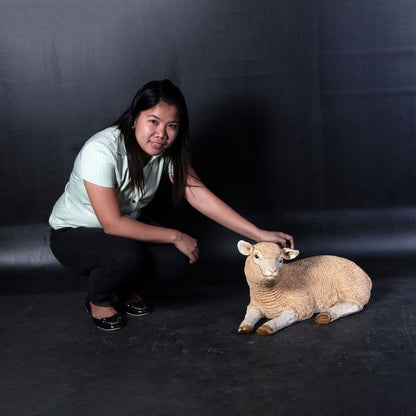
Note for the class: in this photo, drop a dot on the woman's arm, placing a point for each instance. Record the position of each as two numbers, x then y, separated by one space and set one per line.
107 209
203 200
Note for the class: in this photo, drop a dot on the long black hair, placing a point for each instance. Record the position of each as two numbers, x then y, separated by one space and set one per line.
147 97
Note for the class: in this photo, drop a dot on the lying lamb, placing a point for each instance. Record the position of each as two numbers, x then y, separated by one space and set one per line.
287 293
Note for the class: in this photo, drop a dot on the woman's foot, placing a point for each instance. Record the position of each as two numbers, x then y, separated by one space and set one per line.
105 318
100 312
136 306
132 298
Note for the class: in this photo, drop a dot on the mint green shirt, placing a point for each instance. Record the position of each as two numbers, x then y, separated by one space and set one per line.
103 161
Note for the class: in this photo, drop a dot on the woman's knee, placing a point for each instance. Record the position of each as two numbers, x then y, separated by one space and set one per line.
84 249
123 255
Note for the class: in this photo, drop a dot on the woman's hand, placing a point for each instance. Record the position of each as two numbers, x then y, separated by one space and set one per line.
285 240
187 245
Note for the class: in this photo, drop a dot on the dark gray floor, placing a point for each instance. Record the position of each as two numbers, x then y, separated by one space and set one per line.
187 358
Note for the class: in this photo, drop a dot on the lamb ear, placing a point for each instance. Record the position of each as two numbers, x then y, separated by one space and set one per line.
244 248
289 254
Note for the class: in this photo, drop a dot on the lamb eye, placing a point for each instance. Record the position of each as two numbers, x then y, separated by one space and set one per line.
256 256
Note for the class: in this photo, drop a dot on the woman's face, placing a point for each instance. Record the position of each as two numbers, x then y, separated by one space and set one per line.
156 129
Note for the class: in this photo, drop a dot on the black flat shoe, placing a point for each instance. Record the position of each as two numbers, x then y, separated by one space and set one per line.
137 308
112 323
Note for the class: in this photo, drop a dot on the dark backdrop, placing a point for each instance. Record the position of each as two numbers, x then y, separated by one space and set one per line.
295 105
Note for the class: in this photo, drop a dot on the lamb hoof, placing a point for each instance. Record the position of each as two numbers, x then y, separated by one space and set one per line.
264 330
245 329
323 318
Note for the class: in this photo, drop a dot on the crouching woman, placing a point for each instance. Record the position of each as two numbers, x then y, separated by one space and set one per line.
97 228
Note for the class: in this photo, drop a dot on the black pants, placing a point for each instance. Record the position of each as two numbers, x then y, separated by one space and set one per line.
114 265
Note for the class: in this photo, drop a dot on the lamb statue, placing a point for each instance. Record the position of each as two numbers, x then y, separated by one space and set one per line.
286 293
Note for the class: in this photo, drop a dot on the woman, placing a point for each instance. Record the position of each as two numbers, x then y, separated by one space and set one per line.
97 226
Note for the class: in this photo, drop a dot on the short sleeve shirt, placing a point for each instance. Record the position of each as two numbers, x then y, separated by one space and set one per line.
103 161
